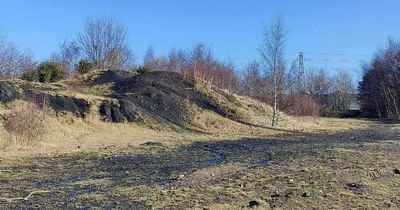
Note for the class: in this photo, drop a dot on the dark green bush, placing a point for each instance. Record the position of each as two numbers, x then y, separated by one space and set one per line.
46 72
50 72
84 67
142 70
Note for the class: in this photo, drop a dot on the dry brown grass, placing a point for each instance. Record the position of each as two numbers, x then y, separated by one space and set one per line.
244 109
25 125
68 134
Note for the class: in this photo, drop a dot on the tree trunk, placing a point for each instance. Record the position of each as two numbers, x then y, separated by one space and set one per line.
275 100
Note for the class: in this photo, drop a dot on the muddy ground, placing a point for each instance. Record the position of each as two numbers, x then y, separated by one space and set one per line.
351 169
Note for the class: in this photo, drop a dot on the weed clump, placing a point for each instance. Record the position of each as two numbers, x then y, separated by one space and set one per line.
25 124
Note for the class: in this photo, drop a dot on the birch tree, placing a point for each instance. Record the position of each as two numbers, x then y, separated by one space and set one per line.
272 55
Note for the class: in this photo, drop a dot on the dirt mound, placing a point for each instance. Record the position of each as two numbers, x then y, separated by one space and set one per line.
170 98
109 76
161 95
155 97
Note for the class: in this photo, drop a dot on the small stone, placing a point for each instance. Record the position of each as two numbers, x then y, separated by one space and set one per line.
253 204
354 185
181 176
306 194
396 171
291 180
275 195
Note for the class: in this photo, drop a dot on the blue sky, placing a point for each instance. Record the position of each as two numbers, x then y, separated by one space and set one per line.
334 34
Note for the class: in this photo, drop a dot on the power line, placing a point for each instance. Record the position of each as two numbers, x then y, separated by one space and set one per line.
331 61
339 54
312 55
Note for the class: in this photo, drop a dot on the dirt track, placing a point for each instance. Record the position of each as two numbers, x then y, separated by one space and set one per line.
357 168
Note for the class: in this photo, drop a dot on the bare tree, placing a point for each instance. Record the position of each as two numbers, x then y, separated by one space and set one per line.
158 63
203 66
201 60
104 42
178 61
272 55
252 80
69 55
318 83
149 55
295 81
343 90
12 62
155 63
27 64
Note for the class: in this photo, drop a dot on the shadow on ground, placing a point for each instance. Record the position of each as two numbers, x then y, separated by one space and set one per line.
386 121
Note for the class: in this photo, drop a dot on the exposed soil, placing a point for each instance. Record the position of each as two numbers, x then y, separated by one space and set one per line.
59 103
353 169
7 92
110 76
158 95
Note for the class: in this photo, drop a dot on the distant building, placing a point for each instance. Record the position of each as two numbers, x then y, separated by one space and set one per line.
355 105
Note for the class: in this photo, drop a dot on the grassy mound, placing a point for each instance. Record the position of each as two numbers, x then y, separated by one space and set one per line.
156 99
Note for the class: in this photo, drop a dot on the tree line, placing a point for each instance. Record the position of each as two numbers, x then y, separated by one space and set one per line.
104 45
379 89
